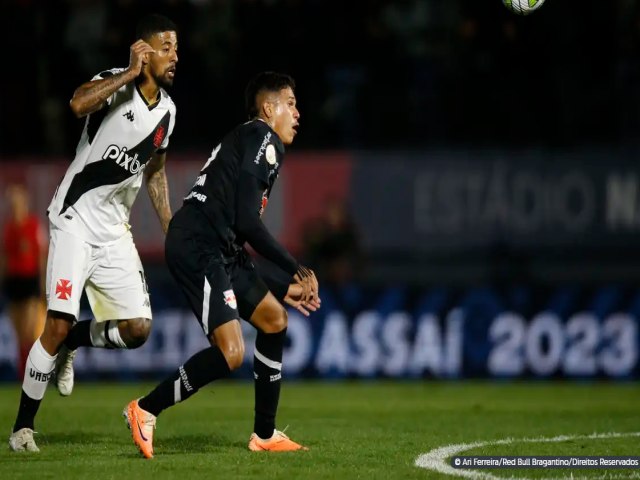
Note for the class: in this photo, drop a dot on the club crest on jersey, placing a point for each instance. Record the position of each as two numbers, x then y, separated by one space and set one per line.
263 146
265 201
159 136
125 161
230 299
63 289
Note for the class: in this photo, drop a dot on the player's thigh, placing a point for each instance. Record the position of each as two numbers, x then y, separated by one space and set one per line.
68 264
218 304
248 286
256 303
203 279
117 287
269 316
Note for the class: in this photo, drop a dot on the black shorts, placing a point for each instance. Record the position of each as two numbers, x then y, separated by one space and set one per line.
20 288
218 289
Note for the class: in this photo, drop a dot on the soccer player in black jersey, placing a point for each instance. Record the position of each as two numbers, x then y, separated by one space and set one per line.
206 255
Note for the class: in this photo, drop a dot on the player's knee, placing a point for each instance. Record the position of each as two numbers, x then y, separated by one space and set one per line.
233 354
282 320
137 331
277 321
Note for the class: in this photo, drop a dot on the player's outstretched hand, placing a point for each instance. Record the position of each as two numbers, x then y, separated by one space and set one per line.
294 299
139 55
306 278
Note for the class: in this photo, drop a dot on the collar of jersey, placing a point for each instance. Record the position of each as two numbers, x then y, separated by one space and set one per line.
277 141
153 105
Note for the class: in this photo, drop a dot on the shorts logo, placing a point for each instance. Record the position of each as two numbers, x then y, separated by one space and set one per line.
63 289
230 299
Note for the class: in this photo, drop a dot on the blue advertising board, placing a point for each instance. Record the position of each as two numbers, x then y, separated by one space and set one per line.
517 332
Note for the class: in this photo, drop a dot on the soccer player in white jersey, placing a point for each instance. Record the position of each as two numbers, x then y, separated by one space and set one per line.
129 118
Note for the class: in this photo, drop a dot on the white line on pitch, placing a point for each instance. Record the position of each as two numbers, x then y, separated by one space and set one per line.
436 459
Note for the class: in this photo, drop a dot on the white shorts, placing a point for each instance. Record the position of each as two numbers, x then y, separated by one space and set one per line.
112 276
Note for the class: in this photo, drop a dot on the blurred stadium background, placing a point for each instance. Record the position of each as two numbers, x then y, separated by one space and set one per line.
465 181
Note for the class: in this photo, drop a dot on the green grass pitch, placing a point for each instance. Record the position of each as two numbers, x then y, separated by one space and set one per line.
367 430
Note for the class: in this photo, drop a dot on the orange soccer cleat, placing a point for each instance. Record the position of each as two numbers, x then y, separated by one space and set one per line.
278 442
141 423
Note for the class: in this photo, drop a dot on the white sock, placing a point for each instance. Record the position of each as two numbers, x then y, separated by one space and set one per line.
106 334
38 371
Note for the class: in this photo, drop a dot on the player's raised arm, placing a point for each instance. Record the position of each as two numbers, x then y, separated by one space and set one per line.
158 188
92 96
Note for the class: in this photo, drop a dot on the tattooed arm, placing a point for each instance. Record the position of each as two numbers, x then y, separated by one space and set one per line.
158 188
92 96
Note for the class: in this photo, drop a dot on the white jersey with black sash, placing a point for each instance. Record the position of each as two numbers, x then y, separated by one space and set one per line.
94 199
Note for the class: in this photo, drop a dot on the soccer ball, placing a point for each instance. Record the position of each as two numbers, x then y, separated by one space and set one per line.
523 7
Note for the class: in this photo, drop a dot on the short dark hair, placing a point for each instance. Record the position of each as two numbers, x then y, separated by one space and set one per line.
154 23
269 81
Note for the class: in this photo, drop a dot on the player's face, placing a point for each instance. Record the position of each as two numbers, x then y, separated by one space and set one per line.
162 65
286 115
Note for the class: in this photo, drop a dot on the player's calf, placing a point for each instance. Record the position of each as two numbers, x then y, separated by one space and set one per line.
134 332
128 334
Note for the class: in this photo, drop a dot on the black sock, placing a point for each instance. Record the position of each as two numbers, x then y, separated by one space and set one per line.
26 412
202 368
267 371
79 335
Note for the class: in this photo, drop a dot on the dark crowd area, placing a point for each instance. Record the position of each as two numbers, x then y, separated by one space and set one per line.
374 74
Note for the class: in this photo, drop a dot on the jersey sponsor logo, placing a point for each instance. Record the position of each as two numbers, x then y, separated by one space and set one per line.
128 115
263 146
265 201
121 157
200 180
230 299
159 136
270 154
198 196
105 172
63 289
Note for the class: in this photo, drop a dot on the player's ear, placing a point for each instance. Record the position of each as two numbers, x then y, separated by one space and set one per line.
267 109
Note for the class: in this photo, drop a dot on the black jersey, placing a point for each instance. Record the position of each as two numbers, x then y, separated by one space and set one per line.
233 188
